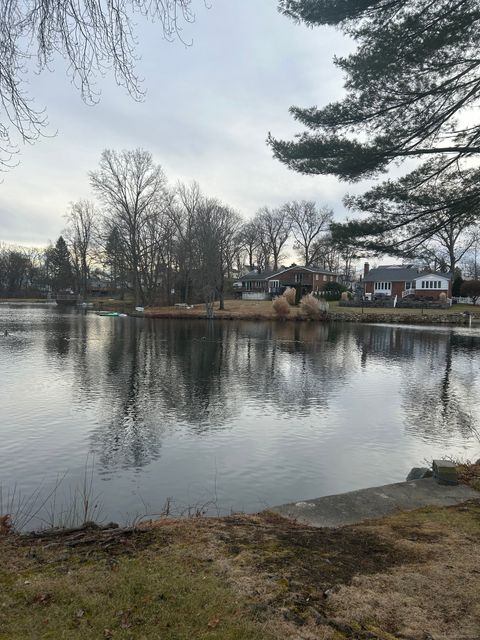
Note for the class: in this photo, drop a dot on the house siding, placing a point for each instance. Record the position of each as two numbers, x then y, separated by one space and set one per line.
316 281
399 287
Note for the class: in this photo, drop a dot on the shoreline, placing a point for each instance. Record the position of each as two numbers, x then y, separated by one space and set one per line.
366 318
250 576
260 312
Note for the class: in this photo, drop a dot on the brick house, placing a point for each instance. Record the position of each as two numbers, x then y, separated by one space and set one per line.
406 280
264 285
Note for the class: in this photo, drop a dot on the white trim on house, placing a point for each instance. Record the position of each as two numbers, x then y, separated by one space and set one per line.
431 282
382 287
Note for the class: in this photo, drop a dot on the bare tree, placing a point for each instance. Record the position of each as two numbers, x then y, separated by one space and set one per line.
217 230
93 36
452 242
183 212
327 253
470 260
275 226
307 223
132 188
156 254
250 240
80 232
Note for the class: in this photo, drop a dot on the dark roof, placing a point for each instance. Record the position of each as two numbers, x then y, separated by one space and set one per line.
299 266
395 273
400 273
255 275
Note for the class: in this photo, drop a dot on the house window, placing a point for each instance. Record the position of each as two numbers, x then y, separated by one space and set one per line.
408 285
316 276
274 284
383 286
298 277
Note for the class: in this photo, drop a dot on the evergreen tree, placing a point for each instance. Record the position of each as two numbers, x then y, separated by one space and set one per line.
60 266
414 75
412 214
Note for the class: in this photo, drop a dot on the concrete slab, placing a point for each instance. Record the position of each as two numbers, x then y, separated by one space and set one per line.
375 502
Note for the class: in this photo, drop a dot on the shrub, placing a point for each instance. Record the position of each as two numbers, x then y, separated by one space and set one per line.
471 289
281 306
289 295
333 290
313 307
443 297
457 286
344 295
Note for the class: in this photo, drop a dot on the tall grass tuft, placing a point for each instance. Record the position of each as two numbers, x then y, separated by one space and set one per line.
281 306
51 508
289 295
312 307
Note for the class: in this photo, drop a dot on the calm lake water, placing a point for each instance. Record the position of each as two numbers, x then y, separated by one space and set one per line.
245 414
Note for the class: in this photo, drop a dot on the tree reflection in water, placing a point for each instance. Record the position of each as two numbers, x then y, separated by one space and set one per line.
440 389
148 379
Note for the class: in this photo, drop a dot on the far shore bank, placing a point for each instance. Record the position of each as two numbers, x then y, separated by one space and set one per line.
262 310
457 315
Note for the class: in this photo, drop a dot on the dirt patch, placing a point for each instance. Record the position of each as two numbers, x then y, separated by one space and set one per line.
319 558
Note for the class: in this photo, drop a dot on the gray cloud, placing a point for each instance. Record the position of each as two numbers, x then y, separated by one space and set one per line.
206 115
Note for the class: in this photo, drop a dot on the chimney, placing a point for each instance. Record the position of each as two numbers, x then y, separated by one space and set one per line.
366 269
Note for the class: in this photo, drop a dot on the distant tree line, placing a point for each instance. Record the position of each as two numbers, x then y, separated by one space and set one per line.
162 244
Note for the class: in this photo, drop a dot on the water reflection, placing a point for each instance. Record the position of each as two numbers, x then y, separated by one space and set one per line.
270 403
153 376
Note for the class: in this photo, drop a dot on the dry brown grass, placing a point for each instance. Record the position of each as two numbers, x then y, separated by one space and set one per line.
412 576
281 307
290 296
263 310
310 306
469 473
433 596
234 309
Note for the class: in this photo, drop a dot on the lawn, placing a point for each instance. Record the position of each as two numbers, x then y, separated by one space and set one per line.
454 309
412 576
248 309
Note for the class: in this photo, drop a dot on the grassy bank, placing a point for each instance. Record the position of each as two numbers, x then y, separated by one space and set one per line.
25 300
412 576
262 310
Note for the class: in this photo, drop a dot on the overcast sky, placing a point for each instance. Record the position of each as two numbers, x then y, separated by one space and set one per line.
208 110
